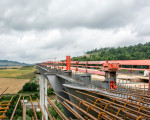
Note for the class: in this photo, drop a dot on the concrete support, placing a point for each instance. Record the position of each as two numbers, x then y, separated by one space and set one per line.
43 92
109 76
84 77
45 99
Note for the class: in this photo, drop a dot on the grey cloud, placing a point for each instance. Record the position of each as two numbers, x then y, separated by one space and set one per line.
142 23
65 40
59 44
35 31
33 47
43 15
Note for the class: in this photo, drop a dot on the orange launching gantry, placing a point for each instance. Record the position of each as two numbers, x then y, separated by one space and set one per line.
110 75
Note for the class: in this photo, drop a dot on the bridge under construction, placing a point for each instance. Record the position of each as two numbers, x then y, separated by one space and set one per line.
84 96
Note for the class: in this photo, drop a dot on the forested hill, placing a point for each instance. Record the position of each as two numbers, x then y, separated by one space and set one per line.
135 52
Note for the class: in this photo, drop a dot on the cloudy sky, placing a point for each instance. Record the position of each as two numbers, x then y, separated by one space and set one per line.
39 30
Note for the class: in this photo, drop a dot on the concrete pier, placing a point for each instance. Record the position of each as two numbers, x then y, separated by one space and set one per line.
43 94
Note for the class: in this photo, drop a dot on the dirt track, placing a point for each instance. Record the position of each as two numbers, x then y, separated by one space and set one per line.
14 85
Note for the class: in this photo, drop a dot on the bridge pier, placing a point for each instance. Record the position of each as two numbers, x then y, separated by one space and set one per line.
43 92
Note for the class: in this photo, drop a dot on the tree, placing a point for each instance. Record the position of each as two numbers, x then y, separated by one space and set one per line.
133 52
50 91
30 87
54 113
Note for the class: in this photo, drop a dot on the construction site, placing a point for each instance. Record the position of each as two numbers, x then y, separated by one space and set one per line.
91 90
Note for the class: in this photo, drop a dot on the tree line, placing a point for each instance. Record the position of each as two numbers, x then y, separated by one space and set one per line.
132 52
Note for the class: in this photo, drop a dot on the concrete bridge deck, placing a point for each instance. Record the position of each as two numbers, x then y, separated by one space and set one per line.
79 92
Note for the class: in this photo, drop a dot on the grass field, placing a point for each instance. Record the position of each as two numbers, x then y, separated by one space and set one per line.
15 78
17 73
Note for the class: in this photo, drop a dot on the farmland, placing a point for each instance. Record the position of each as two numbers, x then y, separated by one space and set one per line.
14 85
16 73
15 78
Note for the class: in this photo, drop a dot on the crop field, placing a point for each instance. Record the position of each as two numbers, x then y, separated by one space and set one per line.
15 78
15 73
14 85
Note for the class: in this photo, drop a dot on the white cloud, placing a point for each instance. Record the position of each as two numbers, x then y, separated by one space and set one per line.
35 31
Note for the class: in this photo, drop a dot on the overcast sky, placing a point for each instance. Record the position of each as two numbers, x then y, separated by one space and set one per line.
37 30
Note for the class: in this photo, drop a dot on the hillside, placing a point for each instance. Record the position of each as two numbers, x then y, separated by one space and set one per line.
133 52
4 63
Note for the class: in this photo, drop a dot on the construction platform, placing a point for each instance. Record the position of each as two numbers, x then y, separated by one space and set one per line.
92 90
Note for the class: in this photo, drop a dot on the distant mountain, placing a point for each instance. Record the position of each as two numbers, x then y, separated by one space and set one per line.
4 63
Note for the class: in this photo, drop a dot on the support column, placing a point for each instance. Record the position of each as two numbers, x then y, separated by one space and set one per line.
40 88
43 92
45 99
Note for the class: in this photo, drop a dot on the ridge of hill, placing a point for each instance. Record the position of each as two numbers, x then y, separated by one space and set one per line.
132 52
4 63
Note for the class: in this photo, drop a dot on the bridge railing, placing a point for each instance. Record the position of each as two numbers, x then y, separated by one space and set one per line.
95 67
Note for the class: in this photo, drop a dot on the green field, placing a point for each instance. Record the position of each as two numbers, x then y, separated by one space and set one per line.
26 72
